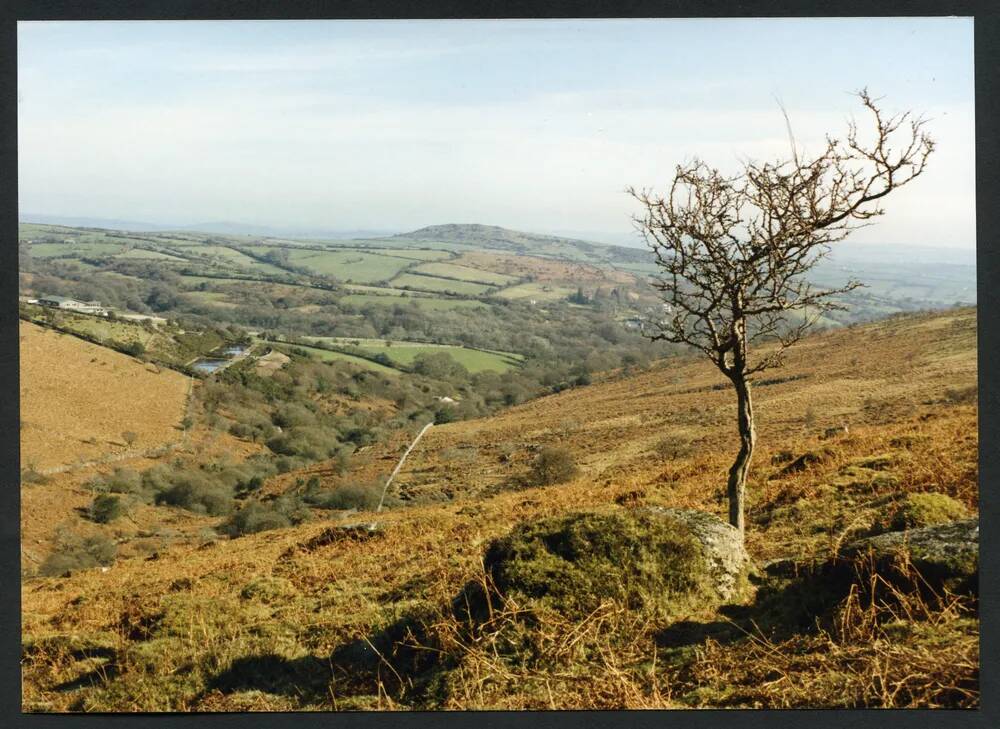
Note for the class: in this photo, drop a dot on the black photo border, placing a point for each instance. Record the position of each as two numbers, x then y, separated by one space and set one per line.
986 16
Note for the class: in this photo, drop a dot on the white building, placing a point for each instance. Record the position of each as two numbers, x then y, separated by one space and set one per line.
83 307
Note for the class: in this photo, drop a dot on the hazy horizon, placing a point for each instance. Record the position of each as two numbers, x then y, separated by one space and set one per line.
530 125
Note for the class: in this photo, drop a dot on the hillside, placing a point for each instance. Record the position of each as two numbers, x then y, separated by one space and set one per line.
309 618
78 398
492 237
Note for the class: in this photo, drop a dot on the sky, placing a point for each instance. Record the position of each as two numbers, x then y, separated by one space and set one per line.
533 125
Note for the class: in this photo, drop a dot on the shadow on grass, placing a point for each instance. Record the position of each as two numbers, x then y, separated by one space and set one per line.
102 674
306 678
783 606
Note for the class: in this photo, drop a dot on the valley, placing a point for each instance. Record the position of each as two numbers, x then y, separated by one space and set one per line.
252 622
197 538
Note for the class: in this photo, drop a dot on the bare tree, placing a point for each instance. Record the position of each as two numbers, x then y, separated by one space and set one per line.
733 251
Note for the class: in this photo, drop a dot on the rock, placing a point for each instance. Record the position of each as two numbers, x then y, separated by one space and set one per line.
728 561
945 555
659 561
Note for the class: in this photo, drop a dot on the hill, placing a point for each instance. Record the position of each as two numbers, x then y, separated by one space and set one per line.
493 237
309 617
78 398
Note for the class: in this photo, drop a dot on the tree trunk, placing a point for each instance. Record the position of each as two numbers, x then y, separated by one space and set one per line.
740 468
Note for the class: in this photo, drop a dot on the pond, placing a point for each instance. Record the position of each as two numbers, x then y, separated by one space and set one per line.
236 350
208 365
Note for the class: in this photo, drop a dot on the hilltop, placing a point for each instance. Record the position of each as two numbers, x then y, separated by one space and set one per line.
280 620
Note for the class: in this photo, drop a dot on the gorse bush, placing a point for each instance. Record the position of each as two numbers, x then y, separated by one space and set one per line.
199 494
364 497
259 517
74 551
254 518
106 508
122 481
553 465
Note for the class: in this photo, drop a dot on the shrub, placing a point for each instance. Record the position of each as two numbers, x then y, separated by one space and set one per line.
257 517
196 493
241 430
254 518
122 481
293 414
77 552
364 497
106 508
553 465
133 348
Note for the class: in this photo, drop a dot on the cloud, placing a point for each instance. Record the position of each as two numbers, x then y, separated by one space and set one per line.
273 149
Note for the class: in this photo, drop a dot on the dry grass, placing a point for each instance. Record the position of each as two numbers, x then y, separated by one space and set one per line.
197 629
884 645
77 398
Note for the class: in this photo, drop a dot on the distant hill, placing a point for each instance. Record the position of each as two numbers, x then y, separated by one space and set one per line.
497 238
219 227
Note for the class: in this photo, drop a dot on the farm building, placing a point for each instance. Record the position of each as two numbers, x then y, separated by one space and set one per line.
84 307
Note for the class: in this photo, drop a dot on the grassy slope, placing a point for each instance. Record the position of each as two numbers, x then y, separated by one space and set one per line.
92 394
250 624
445 285
404 353
350 265
328 355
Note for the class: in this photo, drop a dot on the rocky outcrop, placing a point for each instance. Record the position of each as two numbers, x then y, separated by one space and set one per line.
945 555
727 559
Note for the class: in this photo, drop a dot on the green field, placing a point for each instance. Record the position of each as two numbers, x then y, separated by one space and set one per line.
349 265
267 268
76 262
378 290
403 353
57 250
451 270
215 298
106 330
418 254
228 254
537 291
424 302
327 356
148 254
441 285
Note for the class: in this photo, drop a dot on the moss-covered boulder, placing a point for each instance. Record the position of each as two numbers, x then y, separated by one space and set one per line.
915 511
664 562
945 556
721 544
